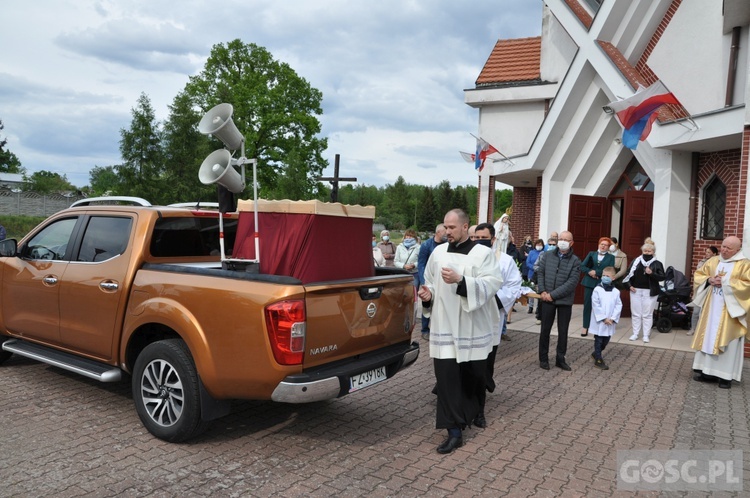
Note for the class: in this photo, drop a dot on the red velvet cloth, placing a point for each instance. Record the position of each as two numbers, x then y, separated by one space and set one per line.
310 247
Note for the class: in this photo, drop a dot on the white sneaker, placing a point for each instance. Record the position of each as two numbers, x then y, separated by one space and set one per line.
633 337
645 339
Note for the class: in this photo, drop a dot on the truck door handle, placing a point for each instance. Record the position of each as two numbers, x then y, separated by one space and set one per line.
109 286
50 280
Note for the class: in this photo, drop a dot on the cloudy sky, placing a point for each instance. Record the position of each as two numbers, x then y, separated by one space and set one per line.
392 73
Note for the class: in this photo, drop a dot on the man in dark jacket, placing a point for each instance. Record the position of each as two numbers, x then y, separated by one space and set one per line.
557 278
425 250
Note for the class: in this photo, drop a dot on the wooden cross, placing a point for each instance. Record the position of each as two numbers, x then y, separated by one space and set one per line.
335 179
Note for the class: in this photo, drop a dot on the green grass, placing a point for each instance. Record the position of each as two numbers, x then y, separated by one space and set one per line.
18 226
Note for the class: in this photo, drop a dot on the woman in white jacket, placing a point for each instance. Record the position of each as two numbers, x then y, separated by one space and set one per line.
407 254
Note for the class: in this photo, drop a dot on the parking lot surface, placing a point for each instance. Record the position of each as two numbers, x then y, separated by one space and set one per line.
550 433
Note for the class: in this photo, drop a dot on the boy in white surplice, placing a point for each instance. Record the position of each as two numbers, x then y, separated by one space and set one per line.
606 306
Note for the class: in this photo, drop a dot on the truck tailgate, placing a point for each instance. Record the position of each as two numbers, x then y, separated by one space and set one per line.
348 318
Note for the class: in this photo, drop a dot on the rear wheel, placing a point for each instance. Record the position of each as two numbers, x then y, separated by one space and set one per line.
664 325
166 391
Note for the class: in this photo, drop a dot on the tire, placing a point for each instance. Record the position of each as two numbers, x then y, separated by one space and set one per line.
166 391
664 325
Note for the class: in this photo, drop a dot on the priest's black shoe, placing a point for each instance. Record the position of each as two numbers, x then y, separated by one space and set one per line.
563 365
450 444
544 365
724 384
480 421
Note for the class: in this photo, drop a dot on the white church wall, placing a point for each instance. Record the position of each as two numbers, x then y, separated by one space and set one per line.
691 57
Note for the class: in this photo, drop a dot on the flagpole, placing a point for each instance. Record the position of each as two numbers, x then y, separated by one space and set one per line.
498 151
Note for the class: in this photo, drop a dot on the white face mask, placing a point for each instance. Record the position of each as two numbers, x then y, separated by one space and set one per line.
386 238
539 248
612 248
563 245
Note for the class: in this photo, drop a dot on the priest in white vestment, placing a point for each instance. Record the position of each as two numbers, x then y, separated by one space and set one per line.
461 280
722 290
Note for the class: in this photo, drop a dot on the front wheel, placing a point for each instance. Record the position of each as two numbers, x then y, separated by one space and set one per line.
166 391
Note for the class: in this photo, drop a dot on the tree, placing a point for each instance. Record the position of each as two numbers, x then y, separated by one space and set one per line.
47 182
443 198
104 180
9 163
140 147
427 216
397 205
503 201
274 108
184 148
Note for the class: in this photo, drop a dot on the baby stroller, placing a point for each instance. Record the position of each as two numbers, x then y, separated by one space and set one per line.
672 309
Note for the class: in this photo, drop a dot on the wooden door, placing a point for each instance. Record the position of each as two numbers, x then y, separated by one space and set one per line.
589 220
638 212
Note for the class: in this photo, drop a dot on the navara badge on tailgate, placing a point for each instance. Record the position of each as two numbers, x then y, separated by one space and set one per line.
371 310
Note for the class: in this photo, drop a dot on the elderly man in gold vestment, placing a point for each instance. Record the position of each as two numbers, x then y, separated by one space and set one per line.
722 289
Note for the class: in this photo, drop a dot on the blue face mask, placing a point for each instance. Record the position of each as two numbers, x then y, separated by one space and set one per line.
409 243
606 280
374 243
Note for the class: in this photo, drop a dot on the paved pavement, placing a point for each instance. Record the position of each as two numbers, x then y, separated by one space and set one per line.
550 433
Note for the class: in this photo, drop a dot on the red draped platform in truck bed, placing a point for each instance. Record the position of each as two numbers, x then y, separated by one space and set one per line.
309 240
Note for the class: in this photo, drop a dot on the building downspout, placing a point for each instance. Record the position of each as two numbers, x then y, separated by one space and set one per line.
734 53
695 162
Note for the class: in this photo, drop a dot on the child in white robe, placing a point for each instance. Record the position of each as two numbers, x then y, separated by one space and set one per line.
606 307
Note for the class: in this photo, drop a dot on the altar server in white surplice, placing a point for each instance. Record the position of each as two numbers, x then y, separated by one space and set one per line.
506 297
461 280
606 307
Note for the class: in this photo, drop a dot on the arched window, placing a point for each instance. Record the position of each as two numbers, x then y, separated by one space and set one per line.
714 205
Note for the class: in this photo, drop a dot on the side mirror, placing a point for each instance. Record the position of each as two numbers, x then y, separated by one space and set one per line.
8 248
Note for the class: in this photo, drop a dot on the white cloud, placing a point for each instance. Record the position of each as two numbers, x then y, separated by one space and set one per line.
392 74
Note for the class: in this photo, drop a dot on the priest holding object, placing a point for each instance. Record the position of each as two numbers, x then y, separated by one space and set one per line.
722 289
460 282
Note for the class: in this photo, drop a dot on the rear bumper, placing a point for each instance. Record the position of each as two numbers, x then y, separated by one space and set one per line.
332 381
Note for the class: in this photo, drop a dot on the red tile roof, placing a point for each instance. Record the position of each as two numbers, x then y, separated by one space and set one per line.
512 61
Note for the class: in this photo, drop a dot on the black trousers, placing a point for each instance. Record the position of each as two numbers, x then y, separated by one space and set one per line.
460 392
547 314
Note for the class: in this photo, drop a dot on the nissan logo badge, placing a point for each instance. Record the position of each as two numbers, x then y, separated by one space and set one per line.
371 309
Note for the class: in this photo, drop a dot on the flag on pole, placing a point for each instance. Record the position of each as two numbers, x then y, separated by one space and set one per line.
484 149
637 114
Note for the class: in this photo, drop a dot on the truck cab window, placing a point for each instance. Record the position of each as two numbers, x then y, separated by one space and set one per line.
51 242
105 238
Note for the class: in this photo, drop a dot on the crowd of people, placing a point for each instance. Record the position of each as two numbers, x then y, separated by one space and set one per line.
468 279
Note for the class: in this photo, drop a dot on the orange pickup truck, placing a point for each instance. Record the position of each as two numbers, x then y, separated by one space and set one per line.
103 291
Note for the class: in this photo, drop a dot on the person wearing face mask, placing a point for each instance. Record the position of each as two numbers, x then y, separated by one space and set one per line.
557 279
377 254
387 247
407 255
425 250
461 281
531 260
606 307
505 298
643 282
621 263
592 267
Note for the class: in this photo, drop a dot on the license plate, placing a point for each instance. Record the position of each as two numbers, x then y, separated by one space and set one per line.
357 382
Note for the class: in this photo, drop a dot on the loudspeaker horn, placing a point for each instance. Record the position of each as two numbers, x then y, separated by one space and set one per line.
218 122
217 168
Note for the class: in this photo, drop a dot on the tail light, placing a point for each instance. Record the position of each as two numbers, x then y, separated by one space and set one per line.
285 323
